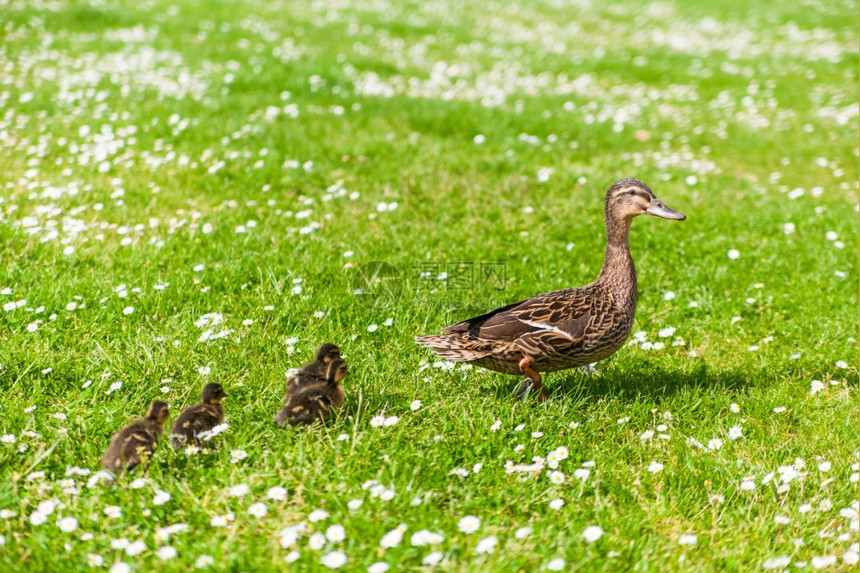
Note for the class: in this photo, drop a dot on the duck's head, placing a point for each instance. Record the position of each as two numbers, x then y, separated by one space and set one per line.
327 352
630 198
337 371
213 393
158 411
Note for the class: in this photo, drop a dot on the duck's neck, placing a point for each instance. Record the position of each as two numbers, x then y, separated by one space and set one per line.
618 269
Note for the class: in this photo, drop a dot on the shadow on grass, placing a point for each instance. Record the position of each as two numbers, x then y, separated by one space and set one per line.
629 384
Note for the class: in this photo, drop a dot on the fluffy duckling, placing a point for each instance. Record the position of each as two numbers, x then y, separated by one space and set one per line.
136 440
199 418
315 400
314 371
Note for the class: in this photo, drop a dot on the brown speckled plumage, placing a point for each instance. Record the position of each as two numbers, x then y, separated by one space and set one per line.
199 418
137 440
565 328
314 371
315 400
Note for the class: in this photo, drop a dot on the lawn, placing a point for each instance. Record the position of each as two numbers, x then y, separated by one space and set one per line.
197 192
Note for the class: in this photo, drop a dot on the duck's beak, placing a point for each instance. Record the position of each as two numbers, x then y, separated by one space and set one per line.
658 209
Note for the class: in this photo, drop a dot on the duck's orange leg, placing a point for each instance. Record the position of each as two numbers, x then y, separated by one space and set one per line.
533 380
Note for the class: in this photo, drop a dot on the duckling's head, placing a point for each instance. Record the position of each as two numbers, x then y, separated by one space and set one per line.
327 352
158 411
630 198
337 371
213 393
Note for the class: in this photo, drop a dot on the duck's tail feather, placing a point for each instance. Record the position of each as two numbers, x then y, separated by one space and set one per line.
456 346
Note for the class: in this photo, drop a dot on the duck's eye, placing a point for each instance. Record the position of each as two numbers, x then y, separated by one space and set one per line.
632 192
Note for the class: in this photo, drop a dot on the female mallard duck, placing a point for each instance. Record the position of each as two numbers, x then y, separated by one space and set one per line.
315 400
195 420
564 328
136 440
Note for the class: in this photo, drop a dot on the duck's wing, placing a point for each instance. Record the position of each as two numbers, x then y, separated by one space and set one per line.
307 374
562 314
198 418
190 422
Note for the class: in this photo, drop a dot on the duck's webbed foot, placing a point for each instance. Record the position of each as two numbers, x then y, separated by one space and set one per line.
533 380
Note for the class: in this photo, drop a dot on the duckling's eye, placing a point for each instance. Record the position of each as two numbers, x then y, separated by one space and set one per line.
632 192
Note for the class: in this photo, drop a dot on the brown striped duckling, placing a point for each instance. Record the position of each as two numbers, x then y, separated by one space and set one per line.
317 370
136 442
315 400
311 373
196 421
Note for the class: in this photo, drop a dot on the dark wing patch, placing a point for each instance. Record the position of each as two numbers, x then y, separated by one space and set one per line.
557 311
472 323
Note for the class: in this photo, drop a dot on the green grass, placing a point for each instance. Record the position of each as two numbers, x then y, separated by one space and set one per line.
724 109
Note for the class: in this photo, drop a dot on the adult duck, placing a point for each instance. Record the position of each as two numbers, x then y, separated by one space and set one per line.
565 328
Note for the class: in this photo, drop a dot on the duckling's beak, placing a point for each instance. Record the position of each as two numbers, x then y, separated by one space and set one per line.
658 209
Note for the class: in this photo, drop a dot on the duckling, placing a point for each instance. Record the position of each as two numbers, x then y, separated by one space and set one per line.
316 370
200 418
137 440
311 373
564 328
315 401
